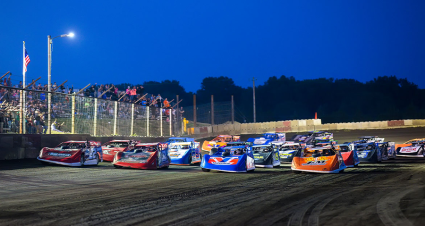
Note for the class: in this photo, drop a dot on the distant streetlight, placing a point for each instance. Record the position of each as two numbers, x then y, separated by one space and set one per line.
49 71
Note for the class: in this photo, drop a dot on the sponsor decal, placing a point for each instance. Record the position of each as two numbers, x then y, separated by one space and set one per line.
258 157
409 149
174 154
223 161
362 154
276 156
106 152
59 154
316 161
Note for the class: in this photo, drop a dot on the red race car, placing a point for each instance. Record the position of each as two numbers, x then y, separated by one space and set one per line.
72 153
144 156
112 147
349 155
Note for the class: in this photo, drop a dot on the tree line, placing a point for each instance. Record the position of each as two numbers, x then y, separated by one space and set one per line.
285 98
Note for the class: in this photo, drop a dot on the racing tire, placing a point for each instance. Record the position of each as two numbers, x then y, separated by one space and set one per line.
165 167
44 163
190 160
250 171
341 171
82 160
205 170
357 165
296 171
118 167
97 159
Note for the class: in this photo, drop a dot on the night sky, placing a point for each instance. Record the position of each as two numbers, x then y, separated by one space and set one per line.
137 41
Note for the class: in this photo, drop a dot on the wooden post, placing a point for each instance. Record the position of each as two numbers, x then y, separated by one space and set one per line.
115 117
160 120
73 115
171 123
132 119
147 121
95 117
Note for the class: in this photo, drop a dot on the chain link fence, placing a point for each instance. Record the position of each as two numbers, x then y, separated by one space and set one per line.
80 114
222 113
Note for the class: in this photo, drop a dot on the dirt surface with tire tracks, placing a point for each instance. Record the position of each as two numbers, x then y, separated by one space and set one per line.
389 193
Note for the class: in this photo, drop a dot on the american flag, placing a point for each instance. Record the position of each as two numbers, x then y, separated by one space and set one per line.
27 60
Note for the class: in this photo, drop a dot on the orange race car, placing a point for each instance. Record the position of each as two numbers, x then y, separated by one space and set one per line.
318 160
219 141
407 143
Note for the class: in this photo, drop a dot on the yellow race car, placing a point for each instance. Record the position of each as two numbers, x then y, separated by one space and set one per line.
219 141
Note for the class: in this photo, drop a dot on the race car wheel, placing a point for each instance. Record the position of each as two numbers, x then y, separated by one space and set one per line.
44 163
205 170
190 160
341 171
357 165
82 160
118 167
296 172
97 160
250 171
165 167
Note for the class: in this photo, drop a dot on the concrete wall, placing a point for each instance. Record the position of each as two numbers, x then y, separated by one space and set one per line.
17 146
302 126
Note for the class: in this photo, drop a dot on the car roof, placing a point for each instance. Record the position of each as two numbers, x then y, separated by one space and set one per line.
368 137
181 143
146 144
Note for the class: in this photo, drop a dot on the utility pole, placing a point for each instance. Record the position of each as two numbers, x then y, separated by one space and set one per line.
253 95
212 110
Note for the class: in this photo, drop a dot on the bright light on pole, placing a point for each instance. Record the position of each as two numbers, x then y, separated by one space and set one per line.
49 71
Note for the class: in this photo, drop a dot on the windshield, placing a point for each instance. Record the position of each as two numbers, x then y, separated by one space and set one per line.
145 149
185 146
318 153
262 149
117 144
176 140
270 136
72 145
291 147
344 149
235 144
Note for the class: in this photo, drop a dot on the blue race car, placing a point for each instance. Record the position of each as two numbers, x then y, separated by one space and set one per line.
267 138
179 139
266 156
184 153
221 159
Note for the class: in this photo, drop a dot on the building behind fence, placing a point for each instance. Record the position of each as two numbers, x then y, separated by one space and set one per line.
79 114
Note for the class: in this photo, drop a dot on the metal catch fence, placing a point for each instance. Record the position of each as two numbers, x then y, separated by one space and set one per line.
72 113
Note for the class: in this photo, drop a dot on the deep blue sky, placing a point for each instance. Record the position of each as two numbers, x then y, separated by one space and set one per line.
135 41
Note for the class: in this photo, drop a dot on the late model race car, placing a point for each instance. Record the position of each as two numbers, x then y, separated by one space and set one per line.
219 141
318 160
287 152
374 152
414 149
72 153
184 153
368 139
310 137
266 156
112 147
220 159
144 156
349 155
267 138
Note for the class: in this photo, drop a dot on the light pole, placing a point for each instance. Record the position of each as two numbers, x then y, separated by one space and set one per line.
49 74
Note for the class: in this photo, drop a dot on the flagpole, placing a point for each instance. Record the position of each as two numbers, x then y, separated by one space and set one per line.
23 93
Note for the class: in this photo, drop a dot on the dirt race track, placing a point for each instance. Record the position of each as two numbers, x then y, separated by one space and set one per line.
390 193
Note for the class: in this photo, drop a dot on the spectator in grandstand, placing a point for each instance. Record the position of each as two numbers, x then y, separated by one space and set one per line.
133 93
